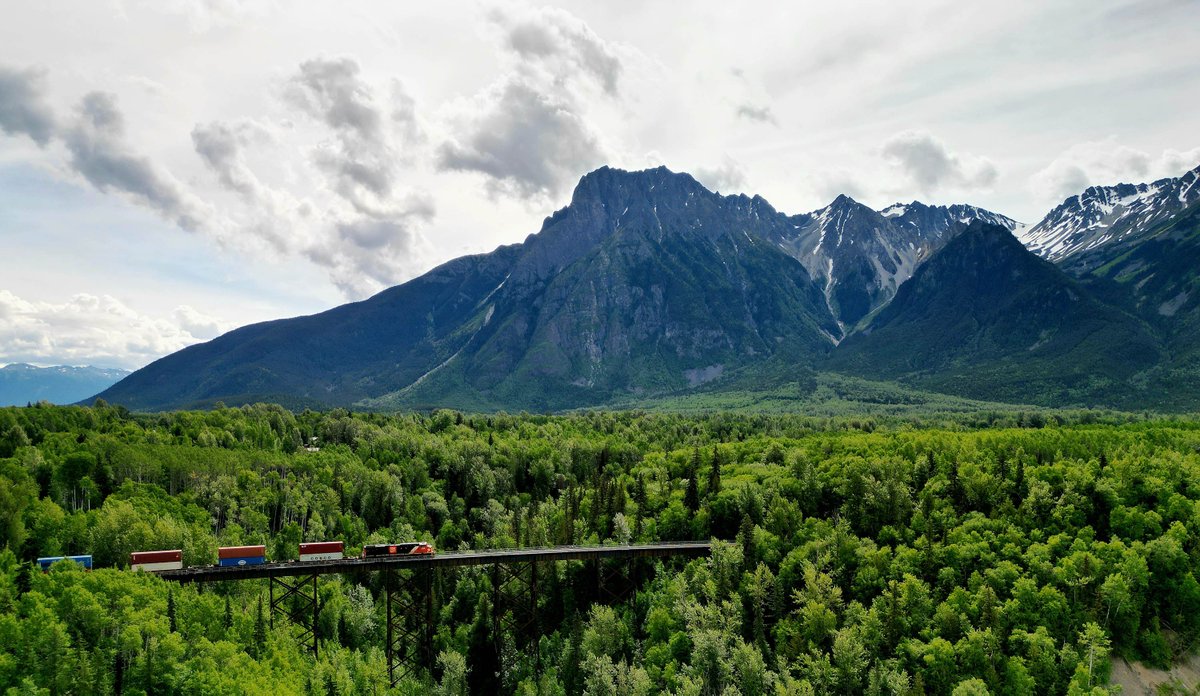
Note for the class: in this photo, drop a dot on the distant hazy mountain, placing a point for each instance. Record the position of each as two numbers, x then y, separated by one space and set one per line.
21 384
648 285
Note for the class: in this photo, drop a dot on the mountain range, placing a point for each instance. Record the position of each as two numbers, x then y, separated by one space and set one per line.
648 285
21 383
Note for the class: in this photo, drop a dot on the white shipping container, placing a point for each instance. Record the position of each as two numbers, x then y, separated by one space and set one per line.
154 567
330 556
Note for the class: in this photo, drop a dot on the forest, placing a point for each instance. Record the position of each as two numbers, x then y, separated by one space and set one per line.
980 553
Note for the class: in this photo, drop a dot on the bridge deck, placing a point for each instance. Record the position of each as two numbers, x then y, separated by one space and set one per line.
438 560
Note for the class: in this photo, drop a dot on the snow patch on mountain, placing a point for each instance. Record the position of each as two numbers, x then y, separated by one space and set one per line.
1105 215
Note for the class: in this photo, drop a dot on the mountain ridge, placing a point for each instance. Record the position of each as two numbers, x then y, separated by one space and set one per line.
22 383
647 283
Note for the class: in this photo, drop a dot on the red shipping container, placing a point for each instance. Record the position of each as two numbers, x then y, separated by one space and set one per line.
241 552
322 547
140 557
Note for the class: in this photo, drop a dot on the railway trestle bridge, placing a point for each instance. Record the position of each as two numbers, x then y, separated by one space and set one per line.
411 583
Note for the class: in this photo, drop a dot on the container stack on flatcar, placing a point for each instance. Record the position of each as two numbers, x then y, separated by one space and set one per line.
322 551
46 562
409 548
241 555
154 561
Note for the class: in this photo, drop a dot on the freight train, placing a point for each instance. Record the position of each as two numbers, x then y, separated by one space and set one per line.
156 561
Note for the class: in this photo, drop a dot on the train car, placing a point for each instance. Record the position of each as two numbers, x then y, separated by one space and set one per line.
408 548
154 561
241 555
322 551
46 562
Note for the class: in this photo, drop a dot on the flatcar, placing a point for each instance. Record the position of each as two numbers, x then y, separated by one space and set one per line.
322 551
241 555
46 562
408 548
154 561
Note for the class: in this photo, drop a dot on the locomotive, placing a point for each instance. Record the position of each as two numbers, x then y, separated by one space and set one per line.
409 548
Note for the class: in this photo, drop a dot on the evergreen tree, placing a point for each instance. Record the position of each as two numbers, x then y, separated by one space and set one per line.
714 474
260 631
691 497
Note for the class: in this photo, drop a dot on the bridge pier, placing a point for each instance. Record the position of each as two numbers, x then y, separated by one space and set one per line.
298 606
409 622
515 600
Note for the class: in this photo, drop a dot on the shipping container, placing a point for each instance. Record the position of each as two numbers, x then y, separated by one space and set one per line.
46 562
241 555
247 561
153 561
241 551
322 551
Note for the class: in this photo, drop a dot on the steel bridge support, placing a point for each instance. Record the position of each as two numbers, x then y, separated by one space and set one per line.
409 597
515 606
298 603
616 581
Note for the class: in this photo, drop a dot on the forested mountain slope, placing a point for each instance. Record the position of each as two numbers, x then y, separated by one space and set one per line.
986 318
647 287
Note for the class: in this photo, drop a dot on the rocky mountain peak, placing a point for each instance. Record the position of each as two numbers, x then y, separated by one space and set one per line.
1090 227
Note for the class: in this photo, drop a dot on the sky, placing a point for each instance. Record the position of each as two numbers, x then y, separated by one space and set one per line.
173 169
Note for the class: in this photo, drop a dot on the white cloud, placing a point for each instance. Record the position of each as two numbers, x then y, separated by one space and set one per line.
557 43
760 114
95 329
529 132
361 226
1104 163
931 166
101 155
527 143
727 177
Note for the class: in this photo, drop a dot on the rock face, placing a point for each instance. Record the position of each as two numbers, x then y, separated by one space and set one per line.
649 284
985 317
861 257
646 282
1086 230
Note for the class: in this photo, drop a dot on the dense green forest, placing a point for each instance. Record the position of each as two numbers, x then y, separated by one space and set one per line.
1004 553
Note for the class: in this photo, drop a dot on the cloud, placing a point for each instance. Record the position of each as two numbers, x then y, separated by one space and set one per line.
727 177
365 243
23 110
219 145
197 323
332 92
528 132
1104 163
556 41
95 329
760 114
367 234
931 165
99 153
528 143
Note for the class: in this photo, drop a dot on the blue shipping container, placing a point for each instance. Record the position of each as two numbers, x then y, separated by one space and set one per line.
45 563
253 560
